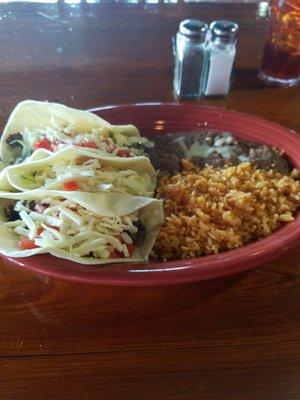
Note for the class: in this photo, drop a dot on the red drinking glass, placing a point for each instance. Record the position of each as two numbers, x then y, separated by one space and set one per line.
281 57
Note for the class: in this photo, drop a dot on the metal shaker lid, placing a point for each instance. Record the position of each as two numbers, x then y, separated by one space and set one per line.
224 30
193 29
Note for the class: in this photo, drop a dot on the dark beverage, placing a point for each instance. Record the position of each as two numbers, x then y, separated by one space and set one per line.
281 58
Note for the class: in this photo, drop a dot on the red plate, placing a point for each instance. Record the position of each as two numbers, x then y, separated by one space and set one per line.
163 118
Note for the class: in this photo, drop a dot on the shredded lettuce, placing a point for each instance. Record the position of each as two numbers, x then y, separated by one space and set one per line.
91 176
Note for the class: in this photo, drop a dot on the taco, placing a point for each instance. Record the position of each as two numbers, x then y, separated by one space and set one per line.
41 125
88 228
78 168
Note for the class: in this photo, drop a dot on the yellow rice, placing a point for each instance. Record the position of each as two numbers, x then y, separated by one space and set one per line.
211 210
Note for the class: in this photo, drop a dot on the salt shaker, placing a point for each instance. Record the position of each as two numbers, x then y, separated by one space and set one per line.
189 49
219 58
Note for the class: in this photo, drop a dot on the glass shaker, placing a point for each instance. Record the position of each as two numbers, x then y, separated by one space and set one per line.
220 58
189 49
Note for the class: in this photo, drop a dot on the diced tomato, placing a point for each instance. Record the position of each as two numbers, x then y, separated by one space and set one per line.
27 244
131 248
116 254
123 153
44 144
39 230
70 185
90 144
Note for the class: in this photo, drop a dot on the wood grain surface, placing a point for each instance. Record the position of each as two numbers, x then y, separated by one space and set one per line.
234 339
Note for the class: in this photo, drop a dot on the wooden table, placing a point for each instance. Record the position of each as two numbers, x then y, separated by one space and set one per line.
236 338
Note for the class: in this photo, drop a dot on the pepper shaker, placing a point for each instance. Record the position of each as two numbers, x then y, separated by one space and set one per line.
189 49
219 58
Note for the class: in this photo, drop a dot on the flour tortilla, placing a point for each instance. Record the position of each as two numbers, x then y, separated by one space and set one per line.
150 214
11 177
37 155
2 166
32 114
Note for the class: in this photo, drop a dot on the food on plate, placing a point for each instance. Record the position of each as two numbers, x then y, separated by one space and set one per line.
88 228
77 187
213 209
77 168
35 125
212 148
